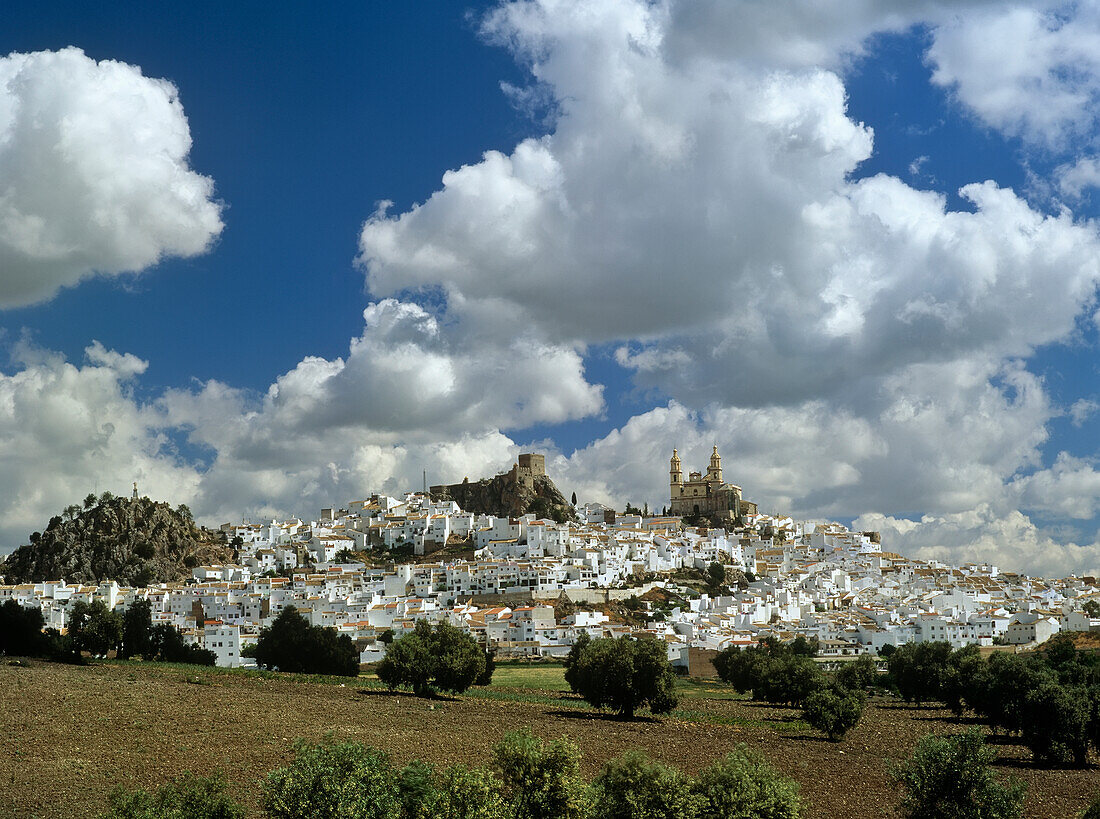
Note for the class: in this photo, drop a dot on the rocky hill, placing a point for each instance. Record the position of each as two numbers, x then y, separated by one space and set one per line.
134 541
507 495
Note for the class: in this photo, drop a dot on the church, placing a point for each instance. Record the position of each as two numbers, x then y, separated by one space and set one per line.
706 494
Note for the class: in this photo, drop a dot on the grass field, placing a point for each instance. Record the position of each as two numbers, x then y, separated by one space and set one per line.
72 733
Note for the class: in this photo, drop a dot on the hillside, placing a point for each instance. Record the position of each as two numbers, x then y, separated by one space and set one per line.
507 495
133 541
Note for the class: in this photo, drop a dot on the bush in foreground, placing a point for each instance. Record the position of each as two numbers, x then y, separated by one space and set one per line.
537 780
444 658
542 780
634 787
188 797
742 785
951 778
333 780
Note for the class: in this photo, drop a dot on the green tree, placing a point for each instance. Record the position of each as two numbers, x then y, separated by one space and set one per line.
962 678
167 645
626 674
742 785
789 680
331 780
834 711
917 670
94 627
291 644
1002 695
1091 608
951 778
21 630
1055 723
633 787
801 647
137 631
187 797
444 658
541 780
859 674
716 575
486 675
572 660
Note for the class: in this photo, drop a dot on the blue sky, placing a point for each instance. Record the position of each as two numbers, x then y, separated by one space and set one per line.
853 247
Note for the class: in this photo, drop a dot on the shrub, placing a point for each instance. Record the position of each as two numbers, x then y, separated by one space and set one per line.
542 780
188 797
742 785
833 711
332 780
951 777
426 660
416 789
626 674
469 793
633 787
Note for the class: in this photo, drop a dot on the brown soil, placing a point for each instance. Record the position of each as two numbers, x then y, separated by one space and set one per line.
71 734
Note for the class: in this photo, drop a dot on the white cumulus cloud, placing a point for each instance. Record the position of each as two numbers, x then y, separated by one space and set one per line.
94 177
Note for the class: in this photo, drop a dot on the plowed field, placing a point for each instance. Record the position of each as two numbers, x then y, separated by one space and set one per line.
70 734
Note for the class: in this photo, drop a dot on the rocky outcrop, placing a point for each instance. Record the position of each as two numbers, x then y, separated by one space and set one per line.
509 495
134 541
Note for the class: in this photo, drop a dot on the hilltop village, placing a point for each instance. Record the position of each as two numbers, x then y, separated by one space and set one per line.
712 573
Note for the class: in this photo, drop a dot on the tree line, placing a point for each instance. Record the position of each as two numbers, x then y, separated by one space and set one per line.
1050 699
97 630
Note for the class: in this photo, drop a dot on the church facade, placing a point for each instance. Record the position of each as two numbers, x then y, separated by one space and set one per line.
705 494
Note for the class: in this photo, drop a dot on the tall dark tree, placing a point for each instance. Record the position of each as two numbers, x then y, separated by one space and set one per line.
95 628
167 645
137 631
291 644
21 630
572 661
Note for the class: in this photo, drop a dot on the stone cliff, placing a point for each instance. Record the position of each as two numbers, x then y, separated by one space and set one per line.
134 541
510 495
